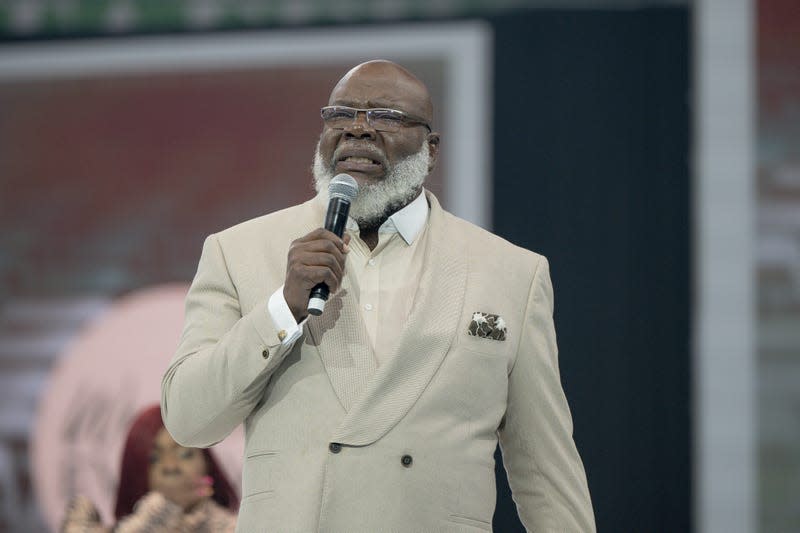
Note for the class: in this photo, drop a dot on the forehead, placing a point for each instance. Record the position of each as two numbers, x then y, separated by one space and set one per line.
381 87
163 440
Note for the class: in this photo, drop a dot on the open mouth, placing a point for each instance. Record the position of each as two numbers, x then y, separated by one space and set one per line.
362 164
359 160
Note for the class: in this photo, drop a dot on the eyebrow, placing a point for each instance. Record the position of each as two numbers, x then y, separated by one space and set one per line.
371 104
157 447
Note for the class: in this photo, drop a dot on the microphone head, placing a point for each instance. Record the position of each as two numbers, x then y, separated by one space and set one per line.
343 186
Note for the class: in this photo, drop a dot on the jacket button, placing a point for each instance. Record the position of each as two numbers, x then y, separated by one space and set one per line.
265 354
407 460
335 447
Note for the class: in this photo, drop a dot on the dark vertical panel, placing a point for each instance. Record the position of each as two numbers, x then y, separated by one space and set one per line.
591 169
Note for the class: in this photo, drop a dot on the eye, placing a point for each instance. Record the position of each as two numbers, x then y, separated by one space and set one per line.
153 458
335 113
187 453
388 116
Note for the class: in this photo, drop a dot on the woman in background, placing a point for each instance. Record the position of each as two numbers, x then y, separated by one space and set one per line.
163 487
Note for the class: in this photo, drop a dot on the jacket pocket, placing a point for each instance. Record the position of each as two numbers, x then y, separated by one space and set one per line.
467 521
258 473
258 496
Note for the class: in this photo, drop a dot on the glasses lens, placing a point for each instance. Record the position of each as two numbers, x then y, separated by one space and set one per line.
385 119
338 117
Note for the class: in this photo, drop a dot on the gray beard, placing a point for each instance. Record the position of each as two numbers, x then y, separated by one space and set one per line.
378 201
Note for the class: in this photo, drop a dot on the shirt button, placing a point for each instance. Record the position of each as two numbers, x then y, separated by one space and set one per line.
281 335
371 262
407 460
368 307
335 447
265 354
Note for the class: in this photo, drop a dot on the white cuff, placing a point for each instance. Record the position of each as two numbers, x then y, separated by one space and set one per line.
283 319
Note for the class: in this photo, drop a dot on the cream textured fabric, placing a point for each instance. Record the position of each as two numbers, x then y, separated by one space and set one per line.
415 436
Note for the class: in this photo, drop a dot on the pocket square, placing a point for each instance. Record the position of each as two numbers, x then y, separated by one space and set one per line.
487 326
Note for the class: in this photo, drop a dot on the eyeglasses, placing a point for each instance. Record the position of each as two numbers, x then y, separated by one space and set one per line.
389 120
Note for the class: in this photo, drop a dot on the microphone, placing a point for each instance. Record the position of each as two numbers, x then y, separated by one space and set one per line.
342 190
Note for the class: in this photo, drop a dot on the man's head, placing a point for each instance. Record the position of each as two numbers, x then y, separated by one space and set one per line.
389 154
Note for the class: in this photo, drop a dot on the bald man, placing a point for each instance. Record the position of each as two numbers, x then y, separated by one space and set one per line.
383 413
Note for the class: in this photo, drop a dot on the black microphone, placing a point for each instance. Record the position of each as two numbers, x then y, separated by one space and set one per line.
342 190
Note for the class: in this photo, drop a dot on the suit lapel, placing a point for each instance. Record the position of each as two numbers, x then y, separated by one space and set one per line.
422 345
341 338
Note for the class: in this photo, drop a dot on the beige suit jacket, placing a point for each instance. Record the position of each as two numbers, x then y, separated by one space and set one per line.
414 438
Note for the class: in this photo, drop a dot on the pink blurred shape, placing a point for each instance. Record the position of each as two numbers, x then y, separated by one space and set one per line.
109 372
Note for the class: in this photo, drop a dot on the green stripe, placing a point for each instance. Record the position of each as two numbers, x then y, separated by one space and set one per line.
91 16
154 15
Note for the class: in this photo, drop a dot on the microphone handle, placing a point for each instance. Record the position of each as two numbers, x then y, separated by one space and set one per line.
336 217
335 222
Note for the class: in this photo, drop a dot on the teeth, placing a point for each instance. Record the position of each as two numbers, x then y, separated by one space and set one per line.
354 159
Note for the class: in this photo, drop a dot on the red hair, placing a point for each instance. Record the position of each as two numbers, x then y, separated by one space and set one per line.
133 482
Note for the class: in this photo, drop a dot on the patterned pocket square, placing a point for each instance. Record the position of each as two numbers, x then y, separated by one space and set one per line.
487 326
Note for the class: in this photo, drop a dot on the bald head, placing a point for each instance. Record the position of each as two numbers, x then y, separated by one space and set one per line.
384 84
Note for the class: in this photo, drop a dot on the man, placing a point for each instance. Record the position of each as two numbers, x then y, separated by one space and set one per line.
383 413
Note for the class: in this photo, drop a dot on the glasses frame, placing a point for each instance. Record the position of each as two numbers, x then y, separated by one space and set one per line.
406 119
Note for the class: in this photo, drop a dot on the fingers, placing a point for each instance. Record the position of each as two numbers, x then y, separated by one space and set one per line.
316 253
205 487
305 277
321 234
315 261
318 257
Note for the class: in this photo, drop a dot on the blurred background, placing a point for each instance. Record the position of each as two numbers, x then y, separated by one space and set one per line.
649 148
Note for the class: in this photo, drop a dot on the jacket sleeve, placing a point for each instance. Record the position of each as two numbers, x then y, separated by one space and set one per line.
223 361
544 470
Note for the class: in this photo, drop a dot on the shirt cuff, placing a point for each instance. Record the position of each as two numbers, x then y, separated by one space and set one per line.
283 319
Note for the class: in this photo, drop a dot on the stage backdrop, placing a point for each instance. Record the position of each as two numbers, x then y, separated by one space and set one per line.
117 158
588 124
778 265
591 168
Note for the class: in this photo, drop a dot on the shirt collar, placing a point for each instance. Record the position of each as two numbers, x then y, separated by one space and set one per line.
408 221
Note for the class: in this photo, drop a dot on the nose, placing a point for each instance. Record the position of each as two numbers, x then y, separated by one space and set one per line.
170 465
360 128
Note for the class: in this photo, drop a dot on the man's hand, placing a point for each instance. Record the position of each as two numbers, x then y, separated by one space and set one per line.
314 258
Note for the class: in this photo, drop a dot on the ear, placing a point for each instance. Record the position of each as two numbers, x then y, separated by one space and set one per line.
433 147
